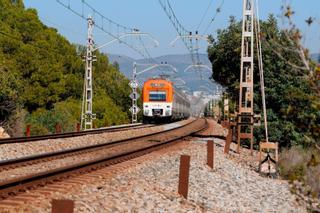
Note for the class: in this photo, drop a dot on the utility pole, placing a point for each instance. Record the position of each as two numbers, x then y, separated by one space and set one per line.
86 113
134 95
245 116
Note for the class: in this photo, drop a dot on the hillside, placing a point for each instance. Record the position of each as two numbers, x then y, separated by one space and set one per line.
41 77
180 61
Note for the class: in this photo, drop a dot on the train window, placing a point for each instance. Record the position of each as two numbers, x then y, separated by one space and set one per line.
157 96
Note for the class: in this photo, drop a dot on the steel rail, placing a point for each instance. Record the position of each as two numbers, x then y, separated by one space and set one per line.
13 186
27 160
71 134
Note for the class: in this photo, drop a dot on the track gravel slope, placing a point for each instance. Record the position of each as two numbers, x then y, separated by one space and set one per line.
11 151
149 184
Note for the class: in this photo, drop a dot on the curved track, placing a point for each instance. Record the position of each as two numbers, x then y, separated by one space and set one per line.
115 152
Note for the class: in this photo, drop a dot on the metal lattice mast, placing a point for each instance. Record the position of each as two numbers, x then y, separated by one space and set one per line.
245 116
87 116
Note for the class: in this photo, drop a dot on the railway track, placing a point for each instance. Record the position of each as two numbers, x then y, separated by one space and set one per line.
73 134
88 159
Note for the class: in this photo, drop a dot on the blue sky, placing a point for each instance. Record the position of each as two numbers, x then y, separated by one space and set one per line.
148 16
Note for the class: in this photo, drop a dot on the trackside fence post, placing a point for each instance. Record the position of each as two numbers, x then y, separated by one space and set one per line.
58 128
78 127
62 206
210 153
184 175
228 140
28 130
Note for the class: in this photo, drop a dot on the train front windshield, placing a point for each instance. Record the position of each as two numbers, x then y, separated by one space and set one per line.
157 96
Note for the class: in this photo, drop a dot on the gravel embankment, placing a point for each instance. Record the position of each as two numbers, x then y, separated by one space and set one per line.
150 185
10 151
23 171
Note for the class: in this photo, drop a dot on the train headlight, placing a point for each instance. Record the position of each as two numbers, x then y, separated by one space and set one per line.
168 112
146 111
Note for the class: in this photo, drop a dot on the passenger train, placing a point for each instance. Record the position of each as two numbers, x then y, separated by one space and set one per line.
162 102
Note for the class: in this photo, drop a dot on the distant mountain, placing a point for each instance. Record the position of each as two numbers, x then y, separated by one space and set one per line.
125 63
316 57
192 77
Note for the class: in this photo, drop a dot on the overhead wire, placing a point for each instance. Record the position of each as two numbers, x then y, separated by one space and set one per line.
112 25
204 15
150 58
106 18
218 10
62 27
101 25
182 32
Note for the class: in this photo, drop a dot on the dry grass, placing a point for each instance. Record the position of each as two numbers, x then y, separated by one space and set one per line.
312 179
302 165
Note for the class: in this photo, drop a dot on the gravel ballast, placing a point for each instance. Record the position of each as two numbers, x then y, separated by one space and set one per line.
17 150
150 185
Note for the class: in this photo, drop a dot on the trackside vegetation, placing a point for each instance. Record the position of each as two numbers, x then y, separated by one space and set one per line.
292 96
41 77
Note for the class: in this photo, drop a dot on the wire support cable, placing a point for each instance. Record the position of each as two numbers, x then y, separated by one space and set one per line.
149 58
218 10
182 32
205 13
106 18
101 25
261 71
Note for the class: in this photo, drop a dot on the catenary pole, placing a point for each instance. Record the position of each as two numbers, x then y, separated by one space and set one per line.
87 116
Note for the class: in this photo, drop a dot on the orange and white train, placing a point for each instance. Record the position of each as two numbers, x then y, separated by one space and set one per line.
163 102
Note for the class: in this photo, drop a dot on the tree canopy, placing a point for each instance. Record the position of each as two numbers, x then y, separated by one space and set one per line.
293 107
41 73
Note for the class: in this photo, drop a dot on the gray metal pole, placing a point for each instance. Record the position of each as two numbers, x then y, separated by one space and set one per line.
87 116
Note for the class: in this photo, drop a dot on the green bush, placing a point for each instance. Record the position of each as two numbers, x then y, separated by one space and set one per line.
66 113
108 113
38 129
41 118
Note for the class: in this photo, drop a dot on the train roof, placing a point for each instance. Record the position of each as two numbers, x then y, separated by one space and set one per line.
157 80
